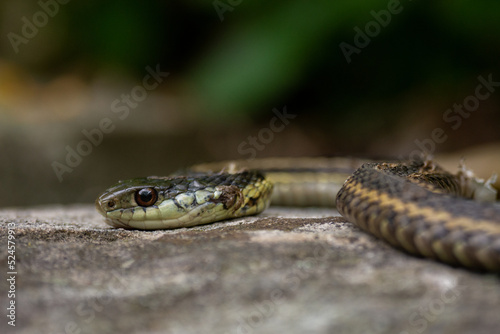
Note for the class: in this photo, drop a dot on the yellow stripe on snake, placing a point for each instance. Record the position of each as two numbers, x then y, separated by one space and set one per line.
413 205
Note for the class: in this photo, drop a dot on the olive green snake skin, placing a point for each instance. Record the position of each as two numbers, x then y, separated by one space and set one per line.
415 206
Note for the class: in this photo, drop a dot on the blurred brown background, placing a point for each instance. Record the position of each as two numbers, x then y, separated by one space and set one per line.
85 98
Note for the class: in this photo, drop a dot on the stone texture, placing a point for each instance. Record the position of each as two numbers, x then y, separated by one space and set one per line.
285 271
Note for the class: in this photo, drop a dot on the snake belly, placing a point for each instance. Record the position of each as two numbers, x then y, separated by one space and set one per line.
414 206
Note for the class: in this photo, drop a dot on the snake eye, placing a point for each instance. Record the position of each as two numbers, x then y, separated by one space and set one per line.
146 196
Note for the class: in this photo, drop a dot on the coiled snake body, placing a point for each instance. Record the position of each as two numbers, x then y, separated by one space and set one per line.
415 205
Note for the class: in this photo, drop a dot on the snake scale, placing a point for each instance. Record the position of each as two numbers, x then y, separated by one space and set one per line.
415 206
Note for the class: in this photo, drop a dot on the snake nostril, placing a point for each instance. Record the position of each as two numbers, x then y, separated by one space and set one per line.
111 204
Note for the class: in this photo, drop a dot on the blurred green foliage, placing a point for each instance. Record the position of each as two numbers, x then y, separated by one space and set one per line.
230 63
250 56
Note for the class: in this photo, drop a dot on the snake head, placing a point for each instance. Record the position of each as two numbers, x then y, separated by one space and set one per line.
171 202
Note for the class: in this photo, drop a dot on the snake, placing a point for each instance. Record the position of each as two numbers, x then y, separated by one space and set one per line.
415 206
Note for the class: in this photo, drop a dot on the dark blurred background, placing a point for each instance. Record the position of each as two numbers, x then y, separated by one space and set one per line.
85 98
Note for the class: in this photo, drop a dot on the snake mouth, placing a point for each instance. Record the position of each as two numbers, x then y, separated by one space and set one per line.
117 223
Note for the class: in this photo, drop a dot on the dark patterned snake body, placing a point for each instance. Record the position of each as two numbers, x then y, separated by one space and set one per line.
413 205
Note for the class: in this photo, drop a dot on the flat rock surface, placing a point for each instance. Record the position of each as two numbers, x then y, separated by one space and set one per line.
284 271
